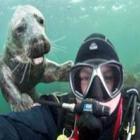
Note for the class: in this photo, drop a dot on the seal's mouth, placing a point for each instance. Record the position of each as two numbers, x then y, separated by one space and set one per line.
38 60
37 49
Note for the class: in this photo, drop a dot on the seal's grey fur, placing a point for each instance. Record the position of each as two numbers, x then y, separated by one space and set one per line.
23 65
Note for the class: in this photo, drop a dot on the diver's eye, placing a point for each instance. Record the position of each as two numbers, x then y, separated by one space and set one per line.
85 78
108 78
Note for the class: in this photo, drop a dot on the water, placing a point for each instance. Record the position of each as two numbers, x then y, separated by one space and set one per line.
68 22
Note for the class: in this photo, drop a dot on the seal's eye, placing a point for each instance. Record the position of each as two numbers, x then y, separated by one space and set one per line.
41 21
20 29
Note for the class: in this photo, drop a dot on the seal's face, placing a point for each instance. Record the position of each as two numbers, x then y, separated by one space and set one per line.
28 34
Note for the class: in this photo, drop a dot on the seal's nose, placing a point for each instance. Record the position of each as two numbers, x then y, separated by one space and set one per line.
47 44
39 46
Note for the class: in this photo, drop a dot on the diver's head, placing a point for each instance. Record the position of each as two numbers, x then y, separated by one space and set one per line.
97 72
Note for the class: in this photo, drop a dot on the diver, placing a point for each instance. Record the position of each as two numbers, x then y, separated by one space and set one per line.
107 111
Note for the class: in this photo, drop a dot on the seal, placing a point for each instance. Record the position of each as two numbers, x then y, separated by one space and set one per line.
23 65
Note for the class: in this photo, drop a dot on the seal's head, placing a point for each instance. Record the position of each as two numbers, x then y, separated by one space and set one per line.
27 38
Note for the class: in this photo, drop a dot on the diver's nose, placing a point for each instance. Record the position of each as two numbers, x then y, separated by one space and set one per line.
95 90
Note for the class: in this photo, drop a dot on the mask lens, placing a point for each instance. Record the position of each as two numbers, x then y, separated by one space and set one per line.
107 77
112 77
80 79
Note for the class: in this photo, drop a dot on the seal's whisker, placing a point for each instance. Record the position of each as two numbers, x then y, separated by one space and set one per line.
16 67
53 42
28 52
57 48
24 72
56 56
22 67
60 39
29 69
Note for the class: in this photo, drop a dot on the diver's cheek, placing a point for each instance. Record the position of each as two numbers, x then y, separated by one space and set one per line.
112 104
